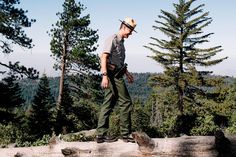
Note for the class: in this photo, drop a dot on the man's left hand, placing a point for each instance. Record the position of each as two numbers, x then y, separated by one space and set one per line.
129 77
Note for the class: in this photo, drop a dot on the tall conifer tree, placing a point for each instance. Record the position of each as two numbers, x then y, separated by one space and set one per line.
182 53
40 118
11 98
73 42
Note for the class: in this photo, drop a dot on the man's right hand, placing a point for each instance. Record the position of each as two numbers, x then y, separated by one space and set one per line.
105 82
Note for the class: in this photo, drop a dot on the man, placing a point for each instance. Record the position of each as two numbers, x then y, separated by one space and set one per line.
113 68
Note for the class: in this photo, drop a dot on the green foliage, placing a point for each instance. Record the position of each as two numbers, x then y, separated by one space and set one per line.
13 134
29 88
232 129
86 86
162 105
139 117
36 142
167 128
7 135
231 101
10 93
12 22
43 141
157 117
78 137
204 126
87 113
72 39
217 105
180 55
40 117
139 89
84 115
91 87
114 123
63 123
73 44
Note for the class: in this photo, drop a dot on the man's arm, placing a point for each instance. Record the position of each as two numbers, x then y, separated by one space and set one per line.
129 76
105 82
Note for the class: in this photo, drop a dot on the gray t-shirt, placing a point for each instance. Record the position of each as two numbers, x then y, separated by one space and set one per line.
114 46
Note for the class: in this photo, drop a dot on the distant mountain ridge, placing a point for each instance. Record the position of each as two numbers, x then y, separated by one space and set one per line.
138 90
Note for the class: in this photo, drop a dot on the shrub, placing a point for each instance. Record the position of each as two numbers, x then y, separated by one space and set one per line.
204 126
7 134
232 127
114 124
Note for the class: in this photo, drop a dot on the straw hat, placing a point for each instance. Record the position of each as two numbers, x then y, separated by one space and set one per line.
130 23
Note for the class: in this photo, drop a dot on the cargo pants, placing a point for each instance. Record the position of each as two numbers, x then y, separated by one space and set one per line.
116 94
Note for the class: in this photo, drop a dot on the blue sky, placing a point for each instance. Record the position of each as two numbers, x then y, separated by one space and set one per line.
105 15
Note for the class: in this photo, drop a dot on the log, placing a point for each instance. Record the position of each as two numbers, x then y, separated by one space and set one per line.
186 146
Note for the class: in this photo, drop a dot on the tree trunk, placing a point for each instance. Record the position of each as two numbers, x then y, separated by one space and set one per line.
180 102
63 70
196 146
181 71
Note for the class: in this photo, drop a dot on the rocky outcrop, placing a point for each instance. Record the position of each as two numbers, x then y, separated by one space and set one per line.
185 146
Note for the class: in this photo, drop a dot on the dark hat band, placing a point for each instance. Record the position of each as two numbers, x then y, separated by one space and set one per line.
128 25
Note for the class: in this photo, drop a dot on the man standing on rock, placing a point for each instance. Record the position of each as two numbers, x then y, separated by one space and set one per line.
113 69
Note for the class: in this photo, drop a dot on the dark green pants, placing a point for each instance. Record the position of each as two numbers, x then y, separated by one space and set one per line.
116 94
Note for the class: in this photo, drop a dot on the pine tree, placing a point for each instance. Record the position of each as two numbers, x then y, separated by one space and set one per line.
40 118
12 22
10 93
182 53
73 42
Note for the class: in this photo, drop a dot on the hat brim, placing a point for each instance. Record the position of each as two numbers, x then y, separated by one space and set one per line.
128 25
